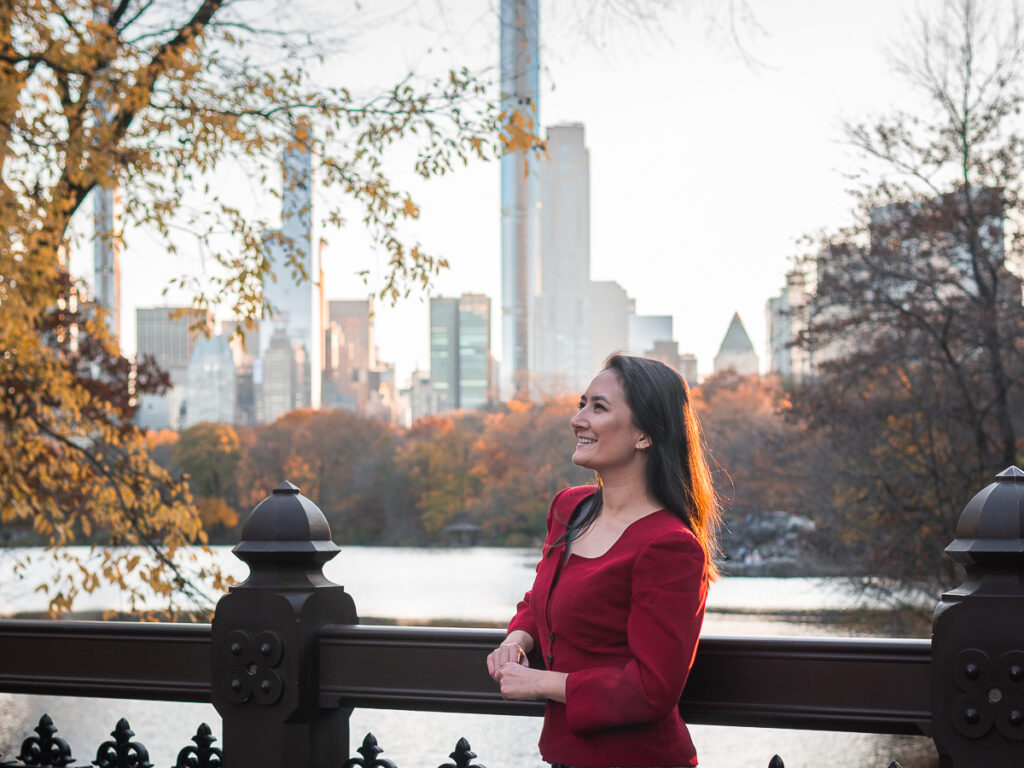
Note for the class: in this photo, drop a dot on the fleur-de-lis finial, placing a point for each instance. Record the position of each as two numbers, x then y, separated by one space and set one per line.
369 751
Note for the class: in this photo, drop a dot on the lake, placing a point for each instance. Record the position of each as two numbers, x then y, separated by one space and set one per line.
478 586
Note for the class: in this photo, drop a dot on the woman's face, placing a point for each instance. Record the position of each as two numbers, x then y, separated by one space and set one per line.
603 426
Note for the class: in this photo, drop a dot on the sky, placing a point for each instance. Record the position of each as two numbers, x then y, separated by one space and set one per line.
710 162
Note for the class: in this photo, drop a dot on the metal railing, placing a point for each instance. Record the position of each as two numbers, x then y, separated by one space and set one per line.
286 658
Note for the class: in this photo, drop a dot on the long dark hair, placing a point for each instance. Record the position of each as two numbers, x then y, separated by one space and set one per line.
678 477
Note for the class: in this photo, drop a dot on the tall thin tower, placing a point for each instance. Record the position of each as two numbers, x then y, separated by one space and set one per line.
107 230
107 256
296 302
520 194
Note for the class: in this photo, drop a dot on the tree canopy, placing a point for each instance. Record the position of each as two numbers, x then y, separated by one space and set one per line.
156 97
917 321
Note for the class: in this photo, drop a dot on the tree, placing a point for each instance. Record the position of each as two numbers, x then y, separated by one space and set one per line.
342 460
757 454
521 461
436 459
157 97
917 321
209 455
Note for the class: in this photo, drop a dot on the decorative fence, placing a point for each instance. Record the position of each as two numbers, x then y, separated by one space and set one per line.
48 750
285 661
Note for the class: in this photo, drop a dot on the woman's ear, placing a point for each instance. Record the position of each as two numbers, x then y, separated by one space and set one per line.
643 443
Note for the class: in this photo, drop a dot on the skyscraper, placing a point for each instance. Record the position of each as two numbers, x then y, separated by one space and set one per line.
645 331
787 318
609 322
210 391
520 91
281 386
352 354
460 351
107 255
293 294
562 331
474 351
166 334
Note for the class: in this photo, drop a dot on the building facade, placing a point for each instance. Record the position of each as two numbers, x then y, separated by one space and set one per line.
460 352
166 334
786 319
562 338
211 388
520 192
291 291
350 355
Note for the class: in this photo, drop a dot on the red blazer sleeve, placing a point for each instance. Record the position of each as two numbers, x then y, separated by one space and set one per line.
669 588
524 618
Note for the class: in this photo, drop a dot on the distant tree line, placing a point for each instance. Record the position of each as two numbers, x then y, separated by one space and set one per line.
382 485
496 470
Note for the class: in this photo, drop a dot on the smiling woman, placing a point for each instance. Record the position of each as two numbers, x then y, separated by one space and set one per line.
609 630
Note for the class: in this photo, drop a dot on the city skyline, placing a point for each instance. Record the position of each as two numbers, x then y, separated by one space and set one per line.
696 212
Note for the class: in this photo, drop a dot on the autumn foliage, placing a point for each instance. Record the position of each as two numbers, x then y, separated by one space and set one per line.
381 485
160 99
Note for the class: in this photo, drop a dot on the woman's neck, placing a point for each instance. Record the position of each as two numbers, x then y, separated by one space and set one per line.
625 495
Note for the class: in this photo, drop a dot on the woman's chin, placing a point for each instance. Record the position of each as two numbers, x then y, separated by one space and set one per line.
580 461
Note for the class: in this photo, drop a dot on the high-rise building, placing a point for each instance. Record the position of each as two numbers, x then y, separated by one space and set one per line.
292 292
167 334
460 351
609 323
562 339
737 352
107 255
688 369
787 317
350 354
210 391
444 352
647 330
280 386
475 386
520 194
420 398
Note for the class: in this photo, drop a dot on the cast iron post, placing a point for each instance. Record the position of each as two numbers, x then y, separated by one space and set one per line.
978 635
264 657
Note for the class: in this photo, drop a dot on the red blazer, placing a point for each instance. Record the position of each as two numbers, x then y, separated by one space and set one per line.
624 626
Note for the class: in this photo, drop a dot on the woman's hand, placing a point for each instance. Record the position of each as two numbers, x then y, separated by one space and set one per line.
518 683
512 651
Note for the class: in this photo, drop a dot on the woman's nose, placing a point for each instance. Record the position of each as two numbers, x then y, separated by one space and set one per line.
577 419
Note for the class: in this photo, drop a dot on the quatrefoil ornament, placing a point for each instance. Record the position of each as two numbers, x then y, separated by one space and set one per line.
252 662
992 694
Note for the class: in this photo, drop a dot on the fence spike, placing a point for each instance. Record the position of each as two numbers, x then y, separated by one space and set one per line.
463 756
894 764
45 750
203 754
776 762
122 752
369 751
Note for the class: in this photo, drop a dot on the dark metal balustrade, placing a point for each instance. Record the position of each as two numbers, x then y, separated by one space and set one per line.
286 658
47 750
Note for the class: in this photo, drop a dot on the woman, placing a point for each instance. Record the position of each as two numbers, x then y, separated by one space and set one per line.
609 630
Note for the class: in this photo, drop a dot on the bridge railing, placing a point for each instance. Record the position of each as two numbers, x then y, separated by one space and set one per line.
285 659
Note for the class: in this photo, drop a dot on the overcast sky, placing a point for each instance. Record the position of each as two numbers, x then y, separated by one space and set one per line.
707 169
